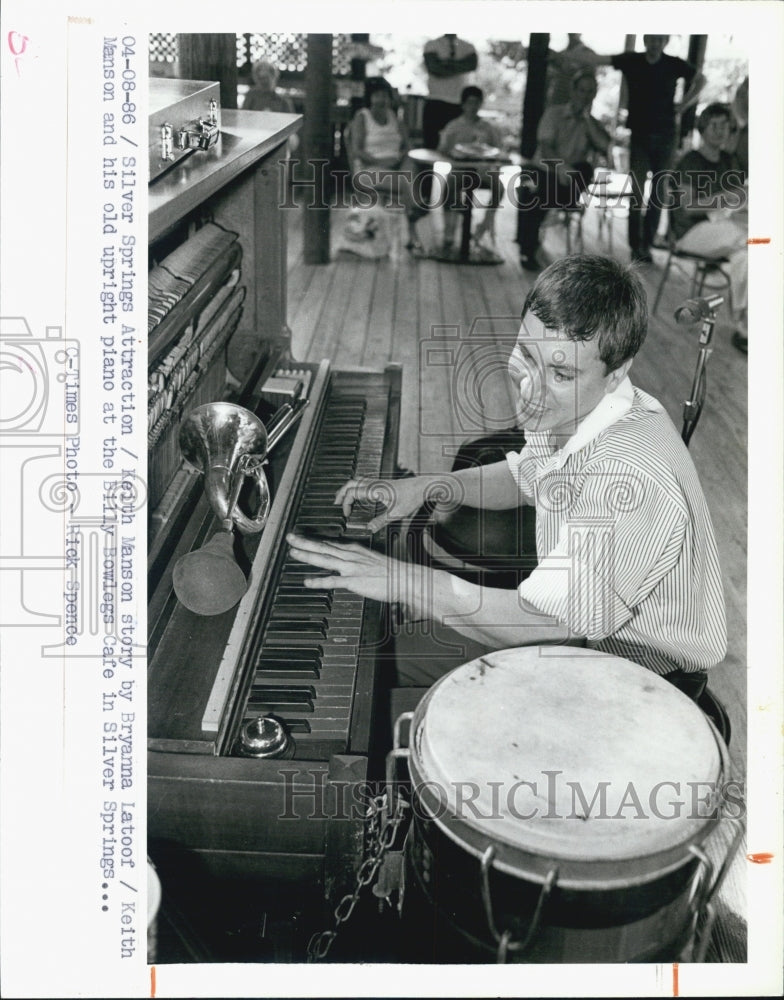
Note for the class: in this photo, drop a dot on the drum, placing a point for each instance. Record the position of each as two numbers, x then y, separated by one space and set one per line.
560 798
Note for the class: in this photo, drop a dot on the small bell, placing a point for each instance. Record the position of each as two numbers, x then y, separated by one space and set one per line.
265 736
209 581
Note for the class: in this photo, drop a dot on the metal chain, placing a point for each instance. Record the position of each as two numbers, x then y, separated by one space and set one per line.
381 836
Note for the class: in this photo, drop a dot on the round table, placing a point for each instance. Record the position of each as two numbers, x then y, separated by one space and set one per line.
464 254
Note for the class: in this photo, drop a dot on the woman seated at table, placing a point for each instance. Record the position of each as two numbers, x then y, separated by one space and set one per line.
470 137
377 144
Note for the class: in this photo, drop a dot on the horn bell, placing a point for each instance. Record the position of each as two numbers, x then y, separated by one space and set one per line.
226 442
208 581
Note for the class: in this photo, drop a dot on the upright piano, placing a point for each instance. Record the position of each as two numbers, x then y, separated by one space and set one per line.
227 829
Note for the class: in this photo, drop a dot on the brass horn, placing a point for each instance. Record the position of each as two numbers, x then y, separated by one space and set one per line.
228 444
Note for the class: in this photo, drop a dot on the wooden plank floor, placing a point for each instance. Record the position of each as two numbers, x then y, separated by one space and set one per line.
451 328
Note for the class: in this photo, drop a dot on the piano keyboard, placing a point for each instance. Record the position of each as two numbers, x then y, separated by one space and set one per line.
304 670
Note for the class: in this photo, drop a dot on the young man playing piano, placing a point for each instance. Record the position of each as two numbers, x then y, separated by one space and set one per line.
627 559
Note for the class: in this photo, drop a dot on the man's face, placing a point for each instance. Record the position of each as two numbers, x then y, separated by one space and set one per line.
559 381
717 132
654 44
471 106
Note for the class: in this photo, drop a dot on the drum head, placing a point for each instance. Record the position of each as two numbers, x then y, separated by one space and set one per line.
567 754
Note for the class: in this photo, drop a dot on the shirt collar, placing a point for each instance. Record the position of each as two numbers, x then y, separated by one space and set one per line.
607 411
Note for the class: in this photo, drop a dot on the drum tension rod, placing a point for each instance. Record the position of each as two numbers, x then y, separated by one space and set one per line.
505 944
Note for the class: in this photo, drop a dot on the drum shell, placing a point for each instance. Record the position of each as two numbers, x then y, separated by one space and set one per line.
638 903
445 919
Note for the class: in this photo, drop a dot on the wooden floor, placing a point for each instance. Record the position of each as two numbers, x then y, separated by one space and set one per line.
451 328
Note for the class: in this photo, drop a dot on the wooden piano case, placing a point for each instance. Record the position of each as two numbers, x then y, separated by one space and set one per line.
239 841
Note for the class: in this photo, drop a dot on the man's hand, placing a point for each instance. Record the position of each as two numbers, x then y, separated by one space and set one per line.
352 567
400 497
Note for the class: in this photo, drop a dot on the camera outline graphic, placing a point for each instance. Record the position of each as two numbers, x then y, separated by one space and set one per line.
40 381
481 389
484 397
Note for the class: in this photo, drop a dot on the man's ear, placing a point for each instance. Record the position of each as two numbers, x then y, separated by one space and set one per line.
616 377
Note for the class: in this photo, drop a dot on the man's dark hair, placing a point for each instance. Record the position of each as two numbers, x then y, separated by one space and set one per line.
714 110
587 296
471 91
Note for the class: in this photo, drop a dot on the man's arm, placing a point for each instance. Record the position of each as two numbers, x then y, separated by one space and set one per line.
489 486
692 92
700 196
598 136
549 147
497 618
436 66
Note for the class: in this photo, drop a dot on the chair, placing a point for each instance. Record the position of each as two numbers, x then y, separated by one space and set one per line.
610 192
572 221
708 273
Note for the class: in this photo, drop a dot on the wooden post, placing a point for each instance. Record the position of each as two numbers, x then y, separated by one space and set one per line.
317 141
623 96
210 57
535 86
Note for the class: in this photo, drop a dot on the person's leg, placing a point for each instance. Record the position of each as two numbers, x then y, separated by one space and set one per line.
660 150
739 276
725 238
532 198
451 209
639 165
435 116
713 239
493 180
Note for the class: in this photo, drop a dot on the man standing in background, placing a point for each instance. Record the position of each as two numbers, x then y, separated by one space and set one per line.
562 67
449 61
652 78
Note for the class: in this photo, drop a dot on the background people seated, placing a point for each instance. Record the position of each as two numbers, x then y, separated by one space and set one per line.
263 95
472 132
567 139
710 215
377 143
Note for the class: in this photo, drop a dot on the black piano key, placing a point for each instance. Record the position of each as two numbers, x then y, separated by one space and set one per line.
288 596
295 614
310 571
281 652
304 608
283 676
280 699
295 637
277 630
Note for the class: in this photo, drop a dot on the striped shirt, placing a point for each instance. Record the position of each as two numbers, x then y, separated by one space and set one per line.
627 554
